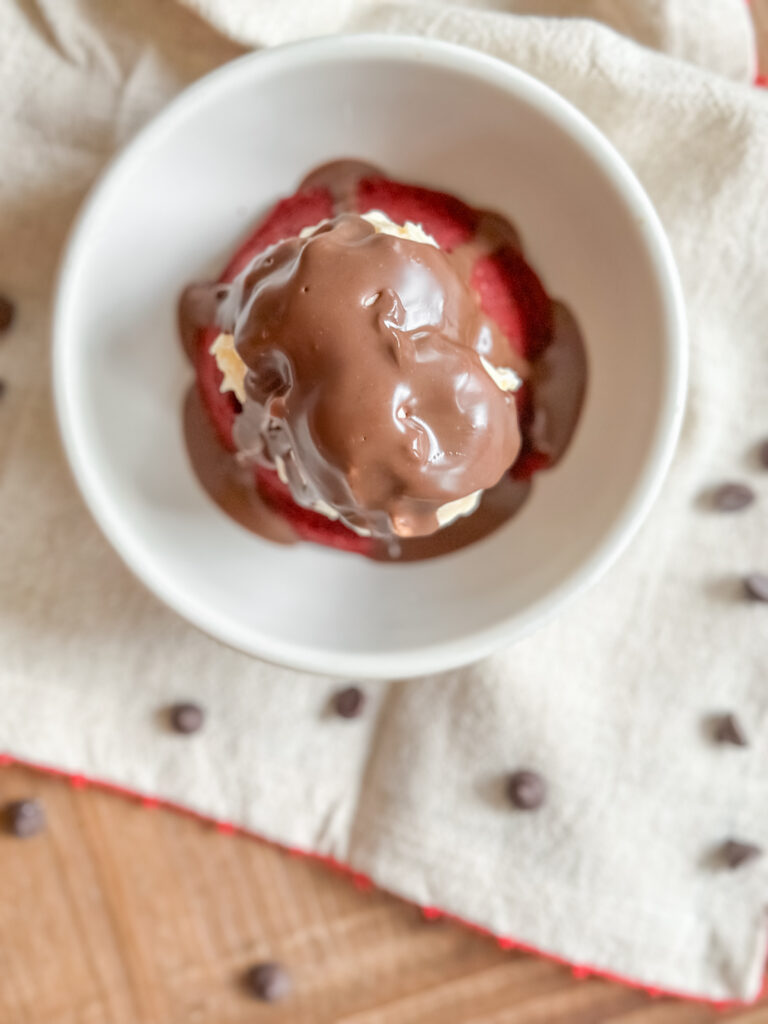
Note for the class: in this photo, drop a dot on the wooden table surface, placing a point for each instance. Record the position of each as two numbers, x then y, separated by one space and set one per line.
122 915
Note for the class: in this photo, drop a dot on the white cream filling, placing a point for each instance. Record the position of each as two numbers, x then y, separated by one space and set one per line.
231 366
383 225
504 377
457 508
233 371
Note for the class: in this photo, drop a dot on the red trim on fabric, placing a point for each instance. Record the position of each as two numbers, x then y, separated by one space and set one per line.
364 883
761 80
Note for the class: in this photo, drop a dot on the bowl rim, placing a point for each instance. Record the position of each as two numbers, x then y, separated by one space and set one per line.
438 656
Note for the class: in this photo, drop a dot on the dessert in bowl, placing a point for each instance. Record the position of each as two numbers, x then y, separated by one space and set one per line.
192 189
383 380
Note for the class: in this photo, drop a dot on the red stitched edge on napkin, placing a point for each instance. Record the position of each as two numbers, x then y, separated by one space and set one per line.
363 882
761 79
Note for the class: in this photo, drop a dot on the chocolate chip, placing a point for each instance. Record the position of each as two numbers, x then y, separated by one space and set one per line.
734 853
270 982
187 718
349 702
7 313
3 387
762 453
756 586
727 729
526 790
732 497
25 818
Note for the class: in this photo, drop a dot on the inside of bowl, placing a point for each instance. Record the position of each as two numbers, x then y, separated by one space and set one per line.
179 202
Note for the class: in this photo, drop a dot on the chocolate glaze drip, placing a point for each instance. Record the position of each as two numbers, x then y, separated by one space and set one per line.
226 479
558 384
198 307
497 505
365 384
340 178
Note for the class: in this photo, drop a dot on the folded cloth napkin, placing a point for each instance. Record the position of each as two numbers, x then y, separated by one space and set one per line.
611 702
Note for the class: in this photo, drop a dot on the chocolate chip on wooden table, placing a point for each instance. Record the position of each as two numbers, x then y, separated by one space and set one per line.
3 387
527 790
7 313
269 981
349 702
735 853
728 729
756 585
24 818
187 717
732 497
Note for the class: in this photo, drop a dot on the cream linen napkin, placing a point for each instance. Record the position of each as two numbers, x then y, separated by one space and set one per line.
609 701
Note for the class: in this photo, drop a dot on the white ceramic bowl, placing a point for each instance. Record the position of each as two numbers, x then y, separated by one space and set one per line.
178 200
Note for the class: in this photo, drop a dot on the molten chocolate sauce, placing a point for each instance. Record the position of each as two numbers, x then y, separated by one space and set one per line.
365 382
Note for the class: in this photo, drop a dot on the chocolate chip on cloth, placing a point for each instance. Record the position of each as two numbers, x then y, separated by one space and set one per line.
732 497
728 729
187 718
762 453
7 313
269 981
24 818
756 586
734 853
527 790
349 702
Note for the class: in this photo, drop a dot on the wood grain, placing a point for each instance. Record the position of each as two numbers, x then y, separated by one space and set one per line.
122 915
